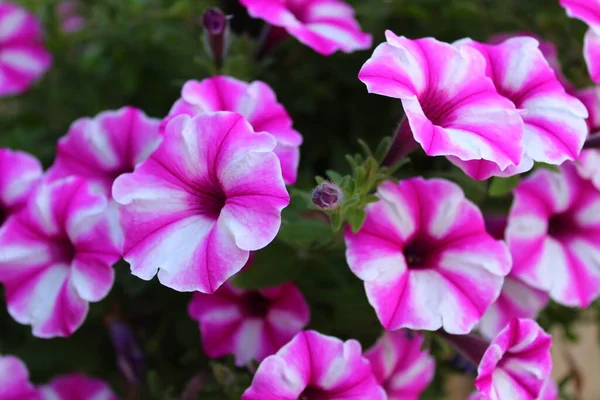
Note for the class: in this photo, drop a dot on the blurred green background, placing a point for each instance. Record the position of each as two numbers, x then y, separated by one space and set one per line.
140 52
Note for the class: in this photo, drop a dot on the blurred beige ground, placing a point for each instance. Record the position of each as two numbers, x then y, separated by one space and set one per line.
584 357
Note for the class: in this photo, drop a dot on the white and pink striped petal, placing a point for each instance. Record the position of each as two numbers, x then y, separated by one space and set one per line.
313 365
211 193
426 258
251 325
106 146
77 387
553 234
256 101
324 25
20 173
517 363
14 380
400 365
23 58
453 109
56 255
554 121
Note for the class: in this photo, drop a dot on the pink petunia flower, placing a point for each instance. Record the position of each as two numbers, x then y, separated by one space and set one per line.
70 20
249 324
77 387
426 258
554 121
14 380
590 97
211 193
588 11
315 366
56 255
256 101
23 57
517 300
452 108
20 174
517 363
549 392
326 26
553 235
400 366
588 166
100 149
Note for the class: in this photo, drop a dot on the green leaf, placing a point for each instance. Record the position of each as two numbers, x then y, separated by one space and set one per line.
335 176
276 264
305 232
501 187
356 217
546 166
370 199
336 221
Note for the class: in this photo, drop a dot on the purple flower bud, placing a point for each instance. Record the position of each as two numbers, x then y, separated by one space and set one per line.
327 196
216 34
129 356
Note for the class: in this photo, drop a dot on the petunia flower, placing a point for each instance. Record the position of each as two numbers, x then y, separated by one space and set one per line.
400 366
23 57
77 387
549 392
451 107
14 380
588 166
516 364
517 300
326 26
256 101
554 234
211 193
56 256
426 258
554 121
68 16
250 324
588 11
106 146
590 97
20 173
315 366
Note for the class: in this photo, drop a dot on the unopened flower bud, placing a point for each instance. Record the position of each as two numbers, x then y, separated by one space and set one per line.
327 196
129 355
216 34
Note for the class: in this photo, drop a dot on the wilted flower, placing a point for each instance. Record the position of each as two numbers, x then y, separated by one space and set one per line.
313 365
324 25
426 258
23 57
256 101
250 324
451 107
211 193
327 196
56 255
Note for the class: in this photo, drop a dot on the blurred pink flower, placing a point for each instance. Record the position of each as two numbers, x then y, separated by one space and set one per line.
14 380
56 255
324 25
70 20
554 121
452 108
588 166
250 324
554 235
21 173
590 97
256 101
517 363
100 149
400 365
588 11
426 258
77 387
315 366
23 57
211 193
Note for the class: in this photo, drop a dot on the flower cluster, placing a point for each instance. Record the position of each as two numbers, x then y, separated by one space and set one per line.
191 197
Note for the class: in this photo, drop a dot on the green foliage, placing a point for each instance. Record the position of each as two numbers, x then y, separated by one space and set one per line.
139 52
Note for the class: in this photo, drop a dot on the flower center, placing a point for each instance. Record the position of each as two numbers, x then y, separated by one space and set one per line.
438 108
561 225
311 394
255 305
417 254
63 250
211 200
